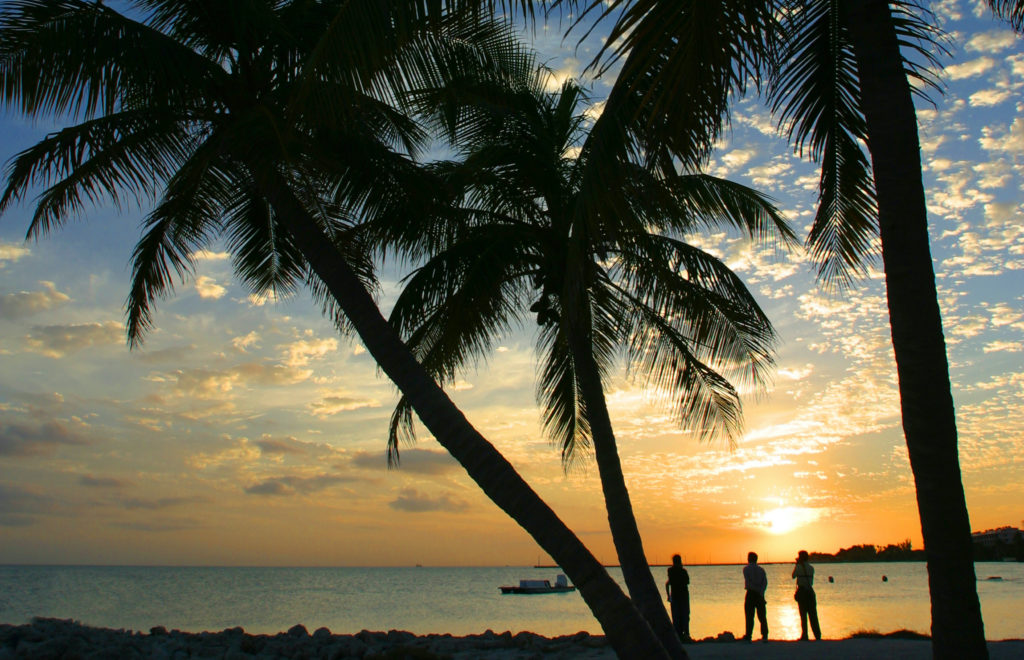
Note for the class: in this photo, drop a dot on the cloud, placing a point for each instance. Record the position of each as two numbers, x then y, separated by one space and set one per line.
164 526
217 384
56 341
411 500
259 373
992 41
296 485
163 502
19 506
36 439
206 255
261 299
174 354
270 445
795 373
1003 346
1004 140
103 482
334 404
208 288
969 69
984 98
299 353
241 343
26 303
416 461
12 252
237 451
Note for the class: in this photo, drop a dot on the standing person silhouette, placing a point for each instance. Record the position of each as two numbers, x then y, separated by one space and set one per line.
677 588
803 572
755 581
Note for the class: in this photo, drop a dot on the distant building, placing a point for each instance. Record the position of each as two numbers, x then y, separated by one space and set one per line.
990 537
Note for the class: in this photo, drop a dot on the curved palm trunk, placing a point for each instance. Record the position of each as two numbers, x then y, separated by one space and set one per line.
627 631
926 401
625 534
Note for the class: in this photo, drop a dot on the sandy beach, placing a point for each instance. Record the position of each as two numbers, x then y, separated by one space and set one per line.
60 638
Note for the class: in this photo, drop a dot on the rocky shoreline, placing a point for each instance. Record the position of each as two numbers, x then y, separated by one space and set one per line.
61 638
64 639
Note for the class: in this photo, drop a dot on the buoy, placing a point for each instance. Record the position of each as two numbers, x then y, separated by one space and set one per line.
885 578
831 579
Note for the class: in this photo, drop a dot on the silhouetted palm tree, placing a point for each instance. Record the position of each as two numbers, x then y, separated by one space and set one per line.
602 280
274 124
846 72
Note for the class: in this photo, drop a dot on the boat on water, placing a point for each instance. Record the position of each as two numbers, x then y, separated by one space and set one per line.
560 586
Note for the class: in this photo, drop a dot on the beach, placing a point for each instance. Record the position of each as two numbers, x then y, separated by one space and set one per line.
59 638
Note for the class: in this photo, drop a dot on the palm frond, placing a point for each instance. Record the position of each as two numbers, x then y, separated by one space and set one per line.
127 152
1011 11
815 94
682 61
187 215
564 418
78 58
710 202
843 236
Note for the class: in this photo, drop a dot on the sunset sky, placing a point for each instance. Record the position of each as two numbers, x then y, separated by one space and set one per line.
248 431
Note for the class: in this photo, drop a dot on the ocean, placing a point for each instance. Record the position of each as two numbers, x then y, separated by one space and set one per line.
467 600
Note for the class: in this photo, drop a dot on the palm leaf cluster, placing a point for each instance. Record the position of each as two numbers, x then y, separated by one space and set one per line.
514 238
197 103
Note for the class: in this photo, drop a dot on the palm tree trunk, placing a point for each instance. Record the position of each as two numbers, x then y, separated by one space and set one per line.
627 631
625 534
929 421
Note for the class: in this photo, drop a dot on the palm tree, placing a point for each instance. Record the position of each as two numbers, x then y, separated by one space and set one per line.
274 124
845 75
600 279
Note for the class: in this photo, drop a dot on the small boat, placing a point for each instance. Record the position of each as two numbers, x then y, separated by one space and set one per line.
560 586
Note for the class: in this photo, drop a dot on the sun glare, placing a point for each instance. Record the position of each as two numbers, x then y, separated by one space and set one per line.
786 519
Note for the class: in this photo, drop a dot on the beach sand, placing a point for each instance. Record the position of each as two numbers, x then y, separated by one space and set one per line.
59 638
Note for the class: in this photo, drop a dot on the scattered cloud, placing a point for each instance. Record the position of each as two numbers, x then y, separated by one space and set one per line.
56 341
208 289
207 255
163 502
988 97
296 485
974 67
27 303
279 446
159 526
336 403
411 500
90 481
244 342
20 505
992 41
415 461
299 353
261 299
1003 346
12 252
36 439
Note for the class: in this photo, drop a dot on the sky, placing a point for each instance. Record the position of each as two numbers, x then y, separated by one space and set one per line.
247 431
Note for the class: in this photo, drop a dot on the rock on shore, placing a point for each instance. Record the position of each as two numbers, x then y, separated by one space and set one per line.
45 639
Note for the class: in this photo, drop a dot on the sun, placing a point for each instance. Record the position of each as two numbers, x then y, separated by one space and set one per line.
785 519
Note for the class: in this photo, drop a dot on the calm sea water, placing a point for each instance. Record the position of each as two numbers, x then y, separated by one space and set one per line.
467 600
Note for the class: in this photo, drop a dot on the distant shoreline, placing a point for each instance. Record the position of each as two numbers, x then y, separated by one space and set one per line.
542 566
